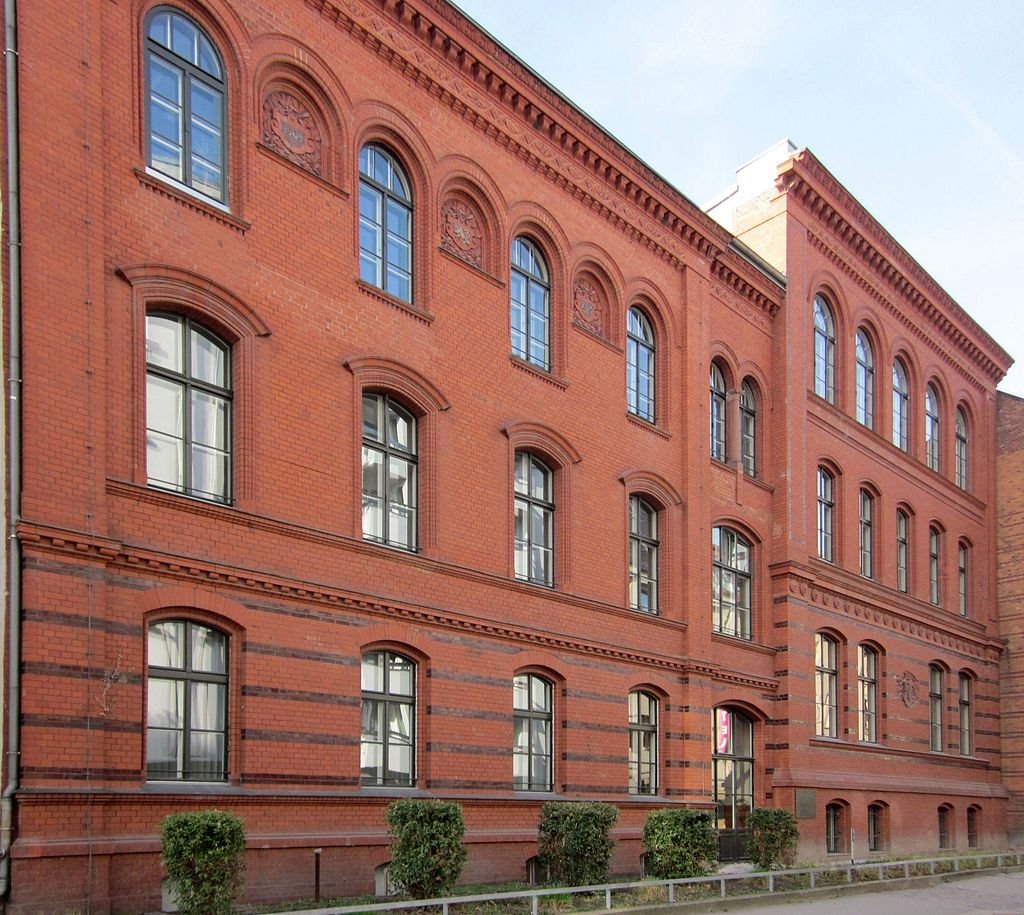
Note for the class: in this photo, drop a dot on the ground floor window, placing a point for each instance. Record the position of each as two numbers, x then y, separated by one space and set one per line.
733 760
835 829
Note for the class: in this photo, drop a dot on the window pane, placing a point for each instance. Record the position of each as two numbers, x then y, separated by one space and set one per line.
166 703
207 706
372 676
209 649
166 645
521 693
401 676
184 39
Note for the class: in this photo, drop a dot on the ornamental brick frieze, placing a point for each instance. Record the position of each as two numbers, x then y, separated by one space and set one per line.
588 309
473 90
838 603
728 298
461 234
290 130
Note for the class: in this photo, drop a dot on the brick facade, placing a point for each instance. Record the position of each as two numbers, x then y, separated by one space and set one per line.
277 563
1010 468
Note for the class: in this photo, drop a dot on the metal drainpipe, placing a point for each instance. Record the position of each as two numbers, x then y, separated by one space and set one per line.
14 445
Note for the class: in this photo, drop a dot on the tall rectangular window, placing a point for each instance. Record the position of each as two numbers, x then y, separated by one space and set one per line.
826 509
867 511
965 716
962 577
389 472
902 549
388 711
867 698
826 687
934 566
643 743
532 717
534 520
643 556
935 700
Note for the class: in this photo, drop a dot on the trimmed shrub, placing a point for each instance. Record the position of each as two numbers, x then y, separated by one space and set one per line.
773 837
204 853
575 843
680 843
427 853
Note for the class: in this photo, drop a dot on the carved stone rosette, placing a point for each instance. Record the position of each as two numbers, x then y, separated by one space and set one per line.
460 231
291 131
587 307
909 688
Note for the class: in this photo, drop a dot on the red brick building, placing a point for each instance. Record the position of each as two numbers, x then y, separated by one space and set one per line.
367 388
1010 467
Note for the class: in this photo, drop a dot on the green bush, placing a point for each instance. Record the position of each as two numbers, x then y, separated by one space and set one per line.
773 837
427 853
204 853
680 843
575 841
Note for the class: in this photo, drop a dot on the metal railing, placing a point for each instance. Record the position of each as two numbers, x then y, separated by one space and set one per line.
766 882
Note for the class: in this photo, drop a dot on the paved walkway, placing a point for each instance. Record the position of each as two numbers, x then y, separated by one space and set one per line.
992 894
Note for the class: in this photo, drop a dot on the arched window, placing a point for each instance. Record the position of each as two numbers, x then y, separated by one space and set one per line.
188 408
643 555
962 477
187 702
936 689
389 472
932 429
718 417
186 104
748 429
826 510
902 550
824 351
974 826
387 746
532 724
867 520
640 365
865 381
534 520
963 576
878 827
867 694
934 564
733 760
731 583
530 304
385 223
826 686
643 743
945 826
966 727
835 828
900 406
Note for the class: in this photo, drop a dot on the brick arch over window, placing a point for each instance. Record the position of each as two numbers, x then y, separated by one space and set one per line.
427 402
159 287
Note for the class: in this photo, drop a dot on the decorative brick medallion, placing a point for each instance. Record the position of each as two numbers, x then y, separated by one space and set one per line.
291 131
587 308
460 231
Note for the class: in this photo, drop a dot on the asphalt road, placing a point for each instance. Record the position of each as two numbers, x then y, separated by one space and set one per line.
995 894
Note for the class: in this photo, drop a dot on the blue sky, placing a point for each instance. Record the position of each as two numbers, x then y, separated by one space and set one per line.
917 107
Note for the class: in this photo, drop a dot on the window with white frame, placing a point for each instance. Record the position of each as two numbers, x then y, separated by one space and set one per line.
731 582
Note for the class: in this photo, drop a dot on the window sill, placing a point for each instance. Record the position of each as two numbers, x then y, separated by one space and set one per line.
538 372
648 425
381 296
183 195
173 787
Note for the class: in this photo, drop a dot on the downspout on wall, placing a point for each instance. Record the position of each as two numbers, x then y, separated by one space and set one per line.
13 212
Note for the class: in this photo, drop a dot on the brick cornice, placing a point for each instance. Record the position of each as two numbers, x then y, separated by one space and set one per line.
802 584
498 95
80 546
806 181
